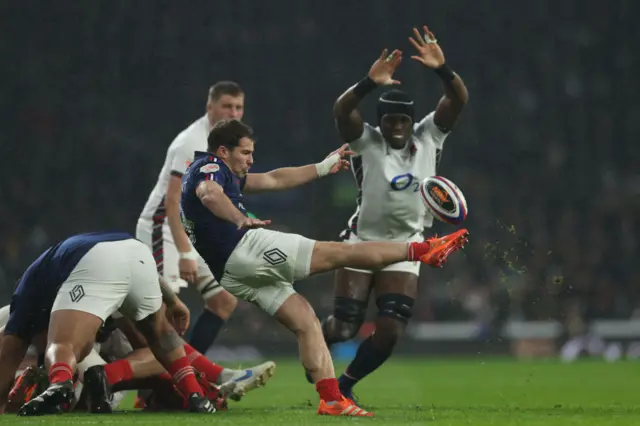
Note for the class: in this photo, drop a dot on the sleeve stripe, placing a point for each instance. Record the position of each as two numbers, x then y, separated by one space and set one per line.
176 173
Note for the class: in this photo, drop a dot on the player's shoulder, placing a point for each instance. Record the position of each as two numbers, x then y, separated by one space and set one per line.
191 137
428 128
207 163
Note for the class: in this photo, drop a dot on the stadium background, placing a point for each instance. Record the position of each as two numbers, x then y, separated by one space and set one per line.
546 151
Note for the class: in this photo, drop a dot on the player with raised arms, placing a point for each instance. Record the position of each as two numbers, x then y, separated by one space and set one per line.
260 265
391 161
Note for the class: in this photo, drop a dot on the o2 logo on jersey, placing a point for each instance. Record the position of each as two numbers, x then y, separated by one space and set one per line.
406 181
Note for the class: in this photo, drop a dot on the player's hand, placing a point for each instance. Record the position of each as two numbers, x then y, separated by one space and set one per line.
252 223
342 163
179 316
429 52
188 270
382 70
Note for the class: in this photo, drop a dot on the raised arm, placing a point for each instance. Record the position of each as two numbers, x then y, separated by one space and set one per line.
455 96
348 120
290 177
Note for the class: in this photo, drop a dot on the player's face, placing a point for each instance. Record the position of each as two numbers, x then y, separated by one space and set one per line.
226 107
396 129
240 159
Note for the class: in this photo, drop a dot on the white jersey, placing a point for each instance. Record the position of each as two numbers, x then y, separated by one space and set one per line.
179 156
389 203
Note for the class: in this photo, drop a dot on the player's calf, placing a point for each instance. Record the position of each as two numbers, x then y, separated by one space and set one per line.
394 312
168 348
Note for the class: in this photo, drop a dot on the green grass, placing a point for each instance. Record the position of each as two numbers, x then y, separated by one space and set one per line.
428 392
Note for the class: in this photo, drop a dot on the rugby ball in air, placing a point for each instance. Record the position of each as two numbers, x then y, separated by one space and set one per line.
443 199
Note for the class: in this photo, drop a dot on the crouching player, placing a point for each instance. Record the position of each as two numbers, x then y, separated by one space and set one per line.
70 290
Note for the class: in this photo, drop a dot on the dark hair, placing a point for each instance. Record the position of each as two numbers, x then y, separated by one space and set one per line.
225 87
228 133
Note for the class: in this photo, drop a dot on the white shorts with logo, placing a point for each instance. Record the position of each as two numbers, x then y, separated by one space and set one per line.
410 267
264 265
114 275
159 239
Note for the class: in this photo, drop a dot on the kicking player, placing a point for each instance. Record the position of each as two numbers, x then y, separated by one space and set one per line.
390 162
159 224
69 291
260 265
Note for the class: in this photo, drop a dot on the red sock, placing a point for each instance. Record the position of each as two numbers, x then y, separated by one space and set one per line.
202 364
328 390
418 249
60 372
182 373
118 371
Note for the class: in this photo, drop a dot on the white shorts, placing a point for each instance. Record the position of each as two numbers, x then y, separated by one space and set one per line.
158 238
264 265
411 267
114 275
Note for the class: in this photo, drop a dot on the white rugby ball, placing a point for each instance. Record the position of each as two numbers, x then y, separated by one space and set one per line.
443 199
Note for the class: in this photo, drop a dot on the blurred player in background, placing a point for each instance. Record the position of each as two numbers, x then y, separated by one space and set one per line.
260 265
159 224
391 161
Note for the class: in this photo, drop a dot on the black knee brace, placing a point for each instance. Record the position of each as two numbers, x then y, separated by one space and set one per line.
396 306
349 315
349 310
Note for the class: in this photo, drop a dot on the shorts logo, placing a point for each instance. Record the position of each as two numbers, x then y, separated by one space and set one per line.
76 293
274 257
209 168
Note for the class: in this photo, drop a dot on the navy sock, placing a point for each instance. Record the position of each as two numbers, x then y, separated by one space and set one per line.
368 359
205 331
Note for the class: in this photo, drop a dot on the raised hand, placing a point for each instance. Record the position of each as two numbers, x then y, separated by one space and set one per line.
429 52
382 70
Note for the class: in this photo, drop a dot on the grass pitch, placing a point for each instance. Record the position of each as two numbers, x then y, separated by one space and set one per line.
426 392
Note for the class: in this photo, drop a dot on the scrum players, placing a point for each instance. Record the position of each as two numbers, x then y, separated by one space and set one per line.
260 265
159 224
391 160
69 292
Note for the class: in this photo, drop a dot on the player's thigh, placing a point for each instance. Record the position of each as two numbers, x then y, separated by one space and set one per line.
266 293
144 297
265 255
352 284
395 282
99 283
75 328
158 239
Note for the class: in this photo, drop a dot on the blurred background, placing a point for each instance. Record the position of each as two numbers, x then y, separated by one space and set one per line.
92 94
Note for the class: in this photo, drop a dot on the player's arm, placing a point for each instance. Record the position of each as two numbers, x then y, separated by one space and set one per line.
213 197
177 313
172 205
12 352
347 117
456 95
187 263
290 177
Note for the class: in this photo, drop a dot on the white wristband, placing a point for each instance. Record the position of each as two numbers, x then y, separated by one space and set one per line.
323 168
189 255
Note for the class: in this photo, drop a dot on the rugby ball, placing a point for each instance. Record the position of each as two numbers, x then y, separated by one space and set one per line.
443 199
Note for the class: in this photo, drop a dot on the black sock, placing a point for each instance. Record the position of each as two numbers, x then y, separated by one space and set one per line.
205 331
368 359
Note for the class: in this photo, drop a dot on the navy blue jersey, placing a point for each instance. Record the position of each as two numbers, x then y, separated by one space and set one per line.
38 287
213 238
